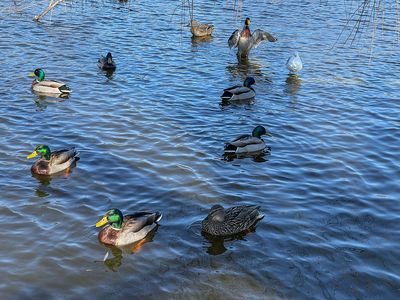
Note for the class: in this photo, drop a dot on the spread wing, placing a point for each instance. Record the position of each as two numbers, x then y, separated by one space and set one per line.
234 39
259 36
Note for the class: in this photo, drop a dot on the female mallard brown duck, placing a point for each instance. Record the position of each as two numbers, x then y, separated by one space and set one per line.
107 63
52 162
200 30
247 143
245 40
124 230
240 92
224 222
51 87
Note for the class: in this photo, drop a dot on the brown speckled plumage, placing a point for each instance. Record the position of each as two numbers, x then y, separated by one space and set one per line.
221 222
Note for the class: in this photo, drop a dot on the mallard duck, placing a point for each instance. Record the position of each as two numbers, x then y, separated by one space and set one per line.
294 63
106 63
245 40
124 230
51 87
52 162
240 92
199 30
223 222
247 143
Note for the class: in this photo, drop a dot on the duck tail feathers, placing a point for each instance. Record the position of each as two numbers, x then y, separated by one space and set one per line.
75 154
226 96
64 89
158 217
229 148
260 216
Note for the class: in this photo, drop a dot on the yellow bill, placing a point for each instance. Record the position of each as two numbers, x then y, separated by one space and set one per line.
102 222
31 74
32 155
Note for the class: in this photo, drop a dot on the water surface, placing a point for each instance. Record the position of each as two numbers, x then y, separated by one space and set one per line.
151 138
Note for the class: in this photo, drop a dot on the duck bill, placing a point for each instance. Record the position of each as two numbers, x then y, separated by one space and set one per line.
31 74
32 155
102 222
268 134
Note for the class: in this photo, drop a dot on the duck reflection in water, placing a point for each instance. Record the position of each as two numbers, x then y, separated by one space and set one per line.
217 243
44 99
259 157
293 84
245 68
45 180
198 40
114 262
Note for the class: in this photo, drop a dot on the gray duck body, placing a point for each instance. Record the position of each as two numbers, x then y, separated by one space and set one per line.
221 222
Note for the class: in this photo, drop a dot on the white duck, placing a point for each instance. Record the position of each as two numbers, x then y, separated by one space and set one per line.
294 63
245 40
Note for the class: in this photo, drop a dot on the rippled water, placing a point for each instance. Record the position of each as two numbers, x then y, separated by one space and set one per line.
151 138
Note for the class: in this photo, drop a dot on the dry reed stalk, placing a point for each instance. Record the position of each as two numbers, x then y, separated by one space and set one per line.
52 4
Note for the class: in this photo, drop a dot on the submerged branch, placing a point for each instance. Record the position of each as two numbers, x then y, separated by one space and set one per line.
52 4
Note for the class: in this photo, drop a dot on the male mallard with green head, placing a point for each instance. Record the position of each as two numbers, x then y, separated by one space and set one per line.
245 40
53 87
124 230
247 143
240 92
52 162
224 222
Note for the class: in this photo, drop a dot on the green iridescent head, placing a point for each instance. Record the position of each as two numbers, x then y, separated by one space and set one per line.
42 150
259 131
249 81
113 217
39 74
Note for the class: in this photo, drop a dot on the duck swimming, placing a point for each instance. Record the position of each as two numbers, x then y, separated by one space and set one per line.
245 40
52 162
52 87
106 63
247 143
238 92
124 230
294 63
200 30
224 222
